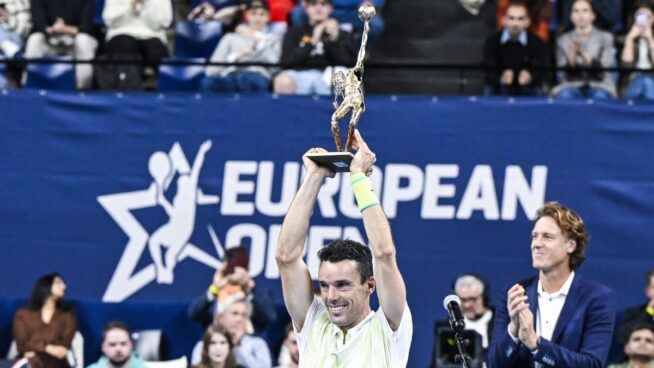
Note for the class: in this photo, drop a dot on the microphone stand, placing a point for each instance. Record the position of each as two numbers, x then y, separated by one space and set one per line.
462 357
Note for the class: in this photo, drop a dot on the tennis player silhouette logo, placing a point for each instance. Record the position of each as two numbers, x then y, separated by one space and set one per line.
169 243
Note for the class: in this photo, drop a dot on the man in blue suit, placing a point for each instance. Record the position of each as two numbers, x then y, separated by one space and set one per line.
557 319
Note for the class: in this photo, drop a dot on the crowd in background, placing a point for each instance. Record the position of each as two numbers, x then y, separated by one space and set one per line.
581 38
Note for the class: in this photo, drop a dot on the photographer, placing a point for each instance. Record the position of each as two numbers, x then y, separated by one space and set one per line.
317 44
638 52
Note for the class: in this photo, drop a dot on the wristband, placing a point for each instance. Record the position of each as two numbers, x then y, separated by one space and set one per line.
362 189
650 311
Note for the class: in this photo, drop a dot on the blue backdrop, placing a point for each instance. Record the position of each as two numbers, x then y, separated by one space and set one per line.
459 178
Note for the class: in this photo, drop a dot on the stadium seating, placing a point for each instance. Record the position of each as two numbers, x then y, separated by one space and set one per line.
54 75
180 77
196 38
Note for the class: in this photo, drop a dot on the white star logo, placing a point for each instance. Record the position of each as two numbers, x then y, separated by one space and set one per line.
173 235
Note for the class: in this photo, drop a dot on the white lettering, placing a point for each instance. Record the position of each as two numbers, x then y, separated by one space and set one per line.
394 193
233 186
479 195
434 190
263 198
516 188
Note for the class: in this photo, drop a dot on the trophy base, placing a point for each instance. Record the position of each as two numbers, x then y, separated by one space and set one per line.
334 161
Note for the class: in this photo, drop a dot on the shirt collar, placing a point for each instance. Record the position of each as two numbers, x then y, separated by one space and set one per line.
522 38
564 290
356 329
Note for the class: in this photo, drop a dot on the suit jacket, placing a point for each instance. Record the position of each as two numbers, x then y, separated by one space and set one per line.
582 335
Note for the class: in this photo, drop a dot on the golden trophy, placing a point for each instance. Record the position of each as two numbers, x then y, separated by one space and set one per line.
348 88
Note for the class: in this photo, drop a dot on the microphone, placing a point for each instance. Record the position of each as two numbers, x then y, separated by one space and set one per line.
452 305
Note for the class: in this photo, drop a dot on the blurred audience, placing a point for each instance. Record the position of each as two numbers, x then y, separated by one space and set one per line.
581 50
640 314
230 280
45 328
64 28
135 32
608 14
539 12
15 25
117 348
251 42
346 12
217 349
515 56
250 351
318 44
289 354
638 52
639 348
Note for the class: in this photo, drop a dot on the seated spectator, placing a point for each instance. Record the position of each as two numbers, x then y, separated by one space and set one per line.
117 348
608 14
580 50
638 52
515 55
289 355
346 12
45 328
228 281
539 12
639 348
15 24
217 349
641 314
318 42
250 351
252 42
136 31
64 28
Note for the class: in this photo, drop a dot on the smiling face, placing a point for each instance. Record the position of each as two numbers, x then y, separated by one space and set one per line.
347 299
550 248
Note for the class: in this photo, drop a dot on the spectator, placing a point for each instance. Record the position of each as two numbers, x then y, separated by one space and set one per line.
117 348
251 42
318 42
64 27
217 349
516 56
641 314
608 14
289 355
135 32
346 12
539 13
638 52
558 318
250 351
639 349
15 24
580 50
230 280
45 328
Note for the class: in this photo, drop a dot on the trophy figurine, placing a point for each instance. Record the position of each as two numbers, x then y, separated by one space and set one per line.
348 88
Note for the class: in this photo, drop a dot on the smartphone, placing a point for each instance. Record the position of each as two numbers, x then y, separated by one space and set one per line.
236 257
642 19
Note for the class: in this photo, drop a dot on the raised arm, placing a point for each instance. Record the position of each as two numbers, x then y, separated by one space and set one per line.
390 285
296 280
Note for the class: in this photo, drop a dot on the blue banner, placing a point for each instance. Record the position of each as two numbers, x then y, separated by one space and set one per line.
99 187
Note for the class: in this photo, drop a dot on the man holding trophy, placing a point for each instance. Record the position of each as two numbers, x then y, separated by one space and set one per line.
339 329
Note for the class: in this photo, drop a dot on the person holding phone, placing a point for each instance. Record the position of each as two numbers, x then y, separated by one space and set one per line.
229 280
558 318
638 52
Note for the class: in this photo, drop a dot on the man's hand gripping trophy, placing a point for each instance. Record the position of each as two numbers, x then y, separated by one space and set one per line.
349 87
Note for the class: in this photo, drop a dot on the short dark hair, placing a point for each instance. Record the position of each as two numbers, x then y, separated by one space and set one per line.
572 227
346 249
314 1
639 326
41 292
115 325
